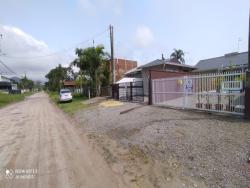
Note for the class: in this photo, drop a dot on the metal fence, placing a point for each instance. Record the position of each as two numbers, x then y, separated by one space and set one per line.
106 91
219 92
131 91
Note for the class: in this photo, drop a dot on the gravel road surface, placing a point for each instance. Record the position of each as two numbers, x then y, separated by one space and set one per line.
211 149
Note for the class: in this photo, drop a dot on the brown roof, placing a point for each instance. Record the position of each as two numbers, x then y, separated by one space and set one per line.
69 83
166 62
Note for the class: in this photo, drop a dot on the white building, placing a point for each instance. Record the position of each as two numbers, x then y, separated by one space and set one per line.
6 83
4 79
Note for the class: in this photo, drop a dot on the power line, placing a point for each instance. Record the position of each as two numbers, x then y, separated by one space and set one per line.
61 51
9 69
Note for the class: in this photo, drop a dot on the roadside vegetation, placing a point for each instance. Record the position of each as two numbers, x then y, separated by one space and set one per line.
26 83
69 107
178 55
6 99
92 65
89 71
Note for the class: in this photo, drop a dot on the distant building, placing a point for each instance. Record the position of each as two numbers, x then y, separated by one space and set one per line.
16 79
69 84
122 66
5 83
231 61
5 79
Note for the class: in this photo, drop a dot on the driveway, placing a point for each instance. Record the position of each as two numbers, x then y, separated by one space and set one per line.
41 147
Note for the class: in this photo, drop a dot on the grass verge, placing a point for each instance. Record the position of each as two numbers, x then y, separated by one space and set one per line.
69 107
6 99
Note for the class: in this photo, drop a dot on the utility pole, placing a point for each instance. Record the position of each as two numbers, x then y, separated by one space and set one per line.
1 36
111 29
247 87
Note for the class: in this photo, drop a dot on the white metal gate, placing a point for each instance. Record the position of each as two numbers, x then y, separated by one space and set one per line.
219 92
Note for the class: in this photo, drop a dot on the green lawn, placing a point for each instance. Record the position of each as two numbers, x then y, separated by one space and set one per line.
6 99
69 107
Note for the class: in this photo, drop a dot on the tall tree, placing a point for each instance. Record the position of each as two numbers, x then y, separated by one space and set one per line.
93 63
56 77
26 83
178 55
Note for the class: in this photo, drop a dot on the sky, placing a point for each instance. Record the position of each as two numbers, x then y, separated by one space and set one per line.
40 34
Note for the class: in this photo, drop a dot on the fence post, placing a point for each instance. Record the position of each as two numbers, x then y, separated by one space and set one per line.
247 96
89 92
184 92
131 91
247 87
150 89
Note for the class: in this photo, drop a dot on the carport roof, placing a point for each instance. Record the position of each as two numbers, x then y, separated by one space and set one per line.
128 79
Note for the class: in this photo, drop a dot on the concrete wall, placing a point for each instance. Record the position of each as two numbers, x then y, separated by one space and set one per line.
156 74
145 79
159 71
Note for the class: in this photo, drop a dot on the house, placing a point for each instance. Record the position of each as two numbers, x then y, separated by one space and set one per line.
69 84
167 66
16 79
5 83
122 66
231 61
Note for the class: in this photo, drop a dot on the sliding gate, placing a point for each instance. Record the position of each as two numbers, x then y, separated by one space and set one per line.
131 91
218 92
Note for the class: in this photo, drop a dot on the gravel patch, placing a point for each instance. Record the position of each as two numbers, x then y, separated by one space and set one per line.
212 149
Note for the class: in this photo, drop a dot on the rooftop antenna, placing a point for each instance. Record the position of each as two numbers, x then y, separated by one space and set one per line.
162 57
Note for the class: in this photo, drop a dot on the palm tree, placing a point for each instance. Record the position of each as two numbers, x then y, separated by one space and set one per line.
178 55
91 61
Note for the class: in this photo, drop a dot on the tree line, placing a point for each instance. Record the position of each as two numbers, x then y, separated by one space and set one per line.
94 69
94 72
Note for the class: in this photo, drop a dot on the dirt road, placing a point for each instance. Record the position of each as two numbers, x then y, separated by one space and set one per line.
40 147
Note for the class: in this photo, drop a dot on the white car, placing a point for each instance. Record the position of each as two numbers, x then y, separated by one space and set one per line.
65 95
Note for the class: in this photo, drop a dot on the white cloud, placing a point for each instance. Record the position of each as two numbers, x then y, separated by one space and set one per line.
88 6
25 54
14 37
93 7
144 37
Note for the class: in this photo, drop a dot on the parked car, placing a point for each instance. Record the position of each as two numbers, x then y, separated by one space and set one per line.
65 95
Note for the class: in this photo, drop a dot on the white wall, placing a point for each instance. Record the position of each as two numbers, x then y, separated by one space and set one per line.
4 79
145 78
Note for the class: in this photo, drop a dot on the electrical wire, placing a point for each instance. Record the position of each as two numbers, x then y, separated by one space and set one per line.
11 72
61 51
9 69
